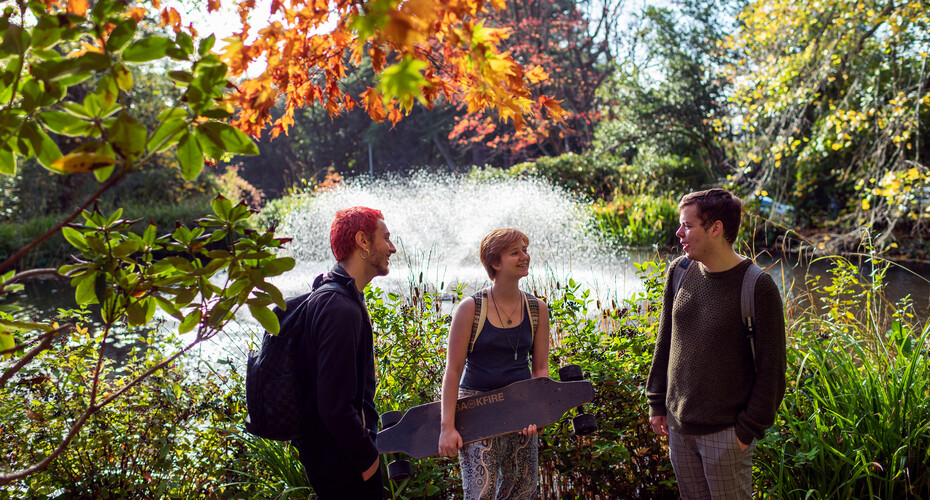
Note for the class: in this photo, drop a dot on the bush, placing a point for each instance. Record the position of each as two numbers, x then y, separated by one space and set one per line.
638 221
652 171
614 346
594 177
16 235
161 439
55 251
855 421
624 459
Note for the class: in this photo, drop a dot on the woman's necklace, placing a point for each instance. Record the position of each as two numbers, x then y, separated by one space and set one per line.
509 316
499 318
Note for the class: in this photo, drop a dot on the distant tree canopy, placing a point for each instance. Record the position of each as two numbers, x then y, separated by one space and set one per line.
573 41
833 98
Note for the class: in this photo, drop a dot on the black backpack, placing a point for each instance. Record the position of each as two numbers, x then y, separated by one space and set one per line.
272 389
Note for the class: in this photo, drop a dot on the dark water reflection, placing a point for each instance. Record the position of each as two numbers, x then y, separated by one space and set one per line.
803 280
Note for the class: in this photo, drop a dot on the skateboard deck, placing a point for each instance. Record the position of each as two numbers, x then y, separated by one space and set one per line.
541 401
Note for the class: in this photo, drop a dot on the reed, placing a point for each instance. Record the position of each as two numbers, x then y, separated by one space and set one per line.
855 421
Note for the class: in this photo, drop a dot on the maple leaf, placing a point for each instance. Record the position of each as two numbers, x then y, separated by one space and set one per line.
404 81
552 107
374 104
171 17
78 7
137 14
377 58
537 74
394 115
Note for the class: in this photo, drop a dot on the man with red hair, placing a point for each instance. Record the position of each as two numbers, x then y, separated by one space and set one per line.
336 362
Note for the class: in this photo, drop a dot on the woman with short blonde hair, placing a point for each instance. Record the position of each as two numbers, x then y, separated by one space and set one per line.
496 355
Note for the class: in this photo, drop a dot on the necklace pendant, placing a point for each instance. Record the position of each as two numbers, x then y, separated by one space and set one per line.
509 322
514 356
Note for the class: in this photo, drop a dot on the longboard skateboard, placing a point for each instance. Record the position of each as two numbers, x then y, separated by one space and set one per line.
541 401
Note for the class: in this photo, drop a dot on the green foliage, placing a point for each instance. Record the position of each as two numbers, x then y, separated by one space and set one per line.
833 108
160 440
855 422
638 221
53 251
270 468
613 345
15 235
121 273
131 275
411 334
109 135
586 175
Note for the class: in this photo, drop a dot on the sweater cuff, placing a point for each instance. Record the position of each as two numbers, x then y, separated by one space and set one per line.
744 435
657 411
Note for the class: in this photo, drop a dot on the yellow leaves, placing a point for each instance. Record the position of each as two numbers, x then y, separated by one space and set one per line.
536 74
75 163
866 205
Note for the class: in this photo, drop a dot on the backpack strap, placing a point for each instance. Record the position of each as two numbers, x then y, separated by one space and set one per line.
481 314
532 305
748 305
678 274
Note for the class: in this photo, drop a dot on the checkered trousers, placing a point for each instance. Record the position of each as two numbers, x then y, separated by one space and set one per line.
711 466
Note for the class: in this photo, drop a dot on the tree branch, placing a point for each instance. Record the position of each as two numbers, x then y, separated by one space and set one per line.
44 342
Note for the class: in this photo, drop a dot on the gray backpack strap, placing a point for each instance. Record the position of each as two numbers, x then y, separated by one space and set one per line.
678 274
748 305
481 314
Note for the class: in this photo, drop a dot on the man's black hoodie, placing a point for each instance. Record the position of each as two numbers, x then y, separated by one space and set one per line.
336 365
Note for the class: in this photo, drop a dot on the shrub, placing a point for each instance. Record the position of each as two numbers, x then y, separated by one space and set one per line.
55 250
160 439
595 177
638 221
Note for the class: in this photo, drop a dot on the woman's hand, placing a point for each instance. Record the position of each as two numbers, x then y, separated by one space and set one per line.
449 442
530 430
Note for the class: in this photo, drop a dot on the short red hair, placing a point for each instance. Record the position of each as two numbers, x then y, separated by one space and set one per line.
346 224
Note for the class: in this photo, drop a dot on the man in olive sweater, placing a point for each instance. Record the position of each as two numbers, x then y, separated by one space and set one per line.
706 390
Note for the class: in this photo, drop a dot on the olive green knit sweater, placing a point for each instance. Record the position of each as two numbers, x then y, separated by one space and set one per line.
703 376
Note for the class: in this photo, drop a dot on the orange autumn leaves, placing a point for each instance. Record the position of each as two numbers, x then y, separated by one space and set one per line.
421 50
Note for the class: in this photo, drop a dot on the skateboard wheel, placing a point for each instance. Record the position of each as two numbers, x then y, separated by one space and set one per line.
399 470
583 424
390 418
570 373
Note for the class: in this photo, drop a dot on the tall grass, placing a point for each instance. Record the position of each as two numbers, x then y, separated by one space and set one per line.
855 421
